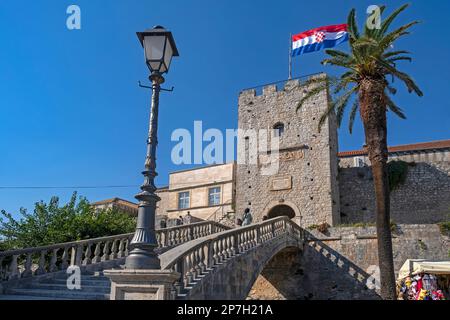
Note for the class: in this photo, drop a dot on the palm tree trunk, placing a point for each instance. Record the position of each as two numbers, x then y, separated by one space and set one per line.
373 115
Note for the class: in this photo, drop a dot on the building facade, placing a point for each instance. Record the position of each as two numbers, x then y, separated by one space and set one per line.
305 186
207 193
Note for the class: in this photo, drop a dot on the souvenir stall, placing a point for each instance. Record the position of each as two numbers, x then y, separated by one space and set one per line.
420 279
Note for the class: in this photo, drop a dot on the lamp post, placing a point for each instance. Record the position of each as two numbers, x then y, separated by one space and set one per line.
159 47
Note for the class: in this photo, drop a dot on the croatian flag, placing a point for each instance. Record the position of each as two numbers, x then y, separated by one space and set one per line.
319 38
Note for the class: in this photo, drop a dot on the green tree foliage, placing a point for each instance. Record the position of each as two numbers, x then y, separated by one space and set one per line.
51 223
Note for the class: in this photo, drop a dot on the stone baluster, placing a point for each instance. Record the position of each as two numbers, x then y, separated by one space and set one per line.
27 272
97 252
220 250
165 242
105 256
87 254
79 255
1 269
240 248
52 266
13 269
121 252
245 234
258 235
216 252
190 233
113 254
65 259
188 275
41 263
202 263
127 243
272 230
179 284
171 237
210 255
197 267
225 248
230 246
233 245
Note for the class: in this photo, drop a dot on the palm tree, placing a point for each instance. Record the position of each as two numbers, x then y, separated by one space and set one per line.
367 81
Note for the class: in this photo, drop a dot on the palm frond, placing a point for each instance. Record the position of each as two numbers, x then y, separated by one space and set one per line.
410 84
393 107
394 53
311 93
388 39
337 53
353 115
399 58
387 22
351 25
341 104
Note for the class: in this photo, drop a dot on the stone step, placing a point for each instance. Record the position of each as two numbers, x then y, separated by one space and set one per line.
63 288
23 297
65 295
83 277
96 282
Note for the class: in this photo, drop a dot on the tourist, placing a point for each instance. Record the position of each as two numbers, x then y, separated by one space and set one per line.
162 224
239 222
179 221
247 217
188 218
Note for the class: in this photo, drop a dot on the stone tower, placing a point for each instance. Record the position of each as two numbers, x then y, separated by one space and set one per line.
305 187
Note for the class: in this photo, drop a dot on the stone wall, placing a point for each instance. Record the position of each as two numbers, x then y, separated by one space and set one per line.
342 263
307 177
423 198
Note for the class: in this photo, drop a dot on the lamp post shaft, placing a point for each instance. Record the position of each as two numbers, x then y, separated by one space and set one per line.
142 246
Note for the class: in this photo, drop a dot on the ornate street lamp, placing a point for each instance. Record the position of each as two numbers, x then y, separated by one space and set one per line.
159 47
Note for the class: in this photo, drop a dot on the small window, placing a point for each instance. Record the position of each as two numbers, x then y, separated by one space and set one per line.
278 129
359 162
183 200
214 196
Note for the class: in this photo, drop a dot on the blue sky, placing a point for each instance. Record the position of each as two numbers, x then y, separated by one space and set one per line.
72 114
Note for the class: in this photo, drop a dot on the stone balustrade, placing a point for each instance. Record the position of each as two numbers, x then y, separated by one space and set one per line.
29 262
193 259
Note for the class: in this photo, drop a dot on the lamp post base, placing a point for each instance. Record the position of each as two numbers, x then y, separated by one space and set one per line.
142 259
142 284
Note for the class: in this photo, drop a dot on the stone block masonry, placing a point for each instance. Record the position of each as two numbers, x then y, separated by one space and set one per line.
423 198
341 264
307 178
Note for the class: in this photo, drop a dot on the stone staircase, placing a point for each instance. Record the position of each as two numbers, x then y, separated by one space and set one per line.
40 273
93 286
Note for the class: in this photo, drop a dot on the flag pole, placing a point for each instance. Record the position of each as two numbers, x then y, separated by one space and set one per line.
290 56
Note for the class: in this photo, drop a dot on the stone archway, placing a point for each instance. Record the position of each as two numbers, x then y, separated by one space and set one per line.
271 207
281 210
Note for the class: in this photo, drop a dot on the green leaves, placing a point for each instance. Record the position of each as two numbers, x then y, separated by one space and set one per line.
51 223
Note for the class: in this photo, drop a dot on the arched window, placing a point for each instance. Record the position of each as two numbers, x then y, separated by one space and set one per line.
278 129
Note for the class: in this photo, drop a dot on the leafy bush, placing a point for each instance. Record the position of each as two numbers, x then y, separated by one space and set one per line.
398 171
51 223
444 227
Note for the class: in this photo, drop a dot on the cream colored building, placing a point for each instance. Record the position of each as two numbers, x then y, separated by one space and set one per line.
206 193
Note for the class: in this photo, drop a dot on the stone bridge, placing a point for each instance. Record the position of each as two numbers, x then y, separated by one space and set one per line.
225 265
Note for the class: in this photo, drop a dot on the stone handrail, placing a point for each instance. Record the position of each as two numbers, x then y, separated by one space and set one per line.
18 264
214 214
196 257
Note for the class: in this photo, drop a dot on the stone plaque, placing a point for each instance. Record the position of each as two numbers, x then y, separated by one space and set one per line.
278 183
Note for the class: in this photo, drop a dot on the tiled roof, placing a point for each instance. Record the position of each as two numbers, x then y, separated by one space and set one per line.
402 148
